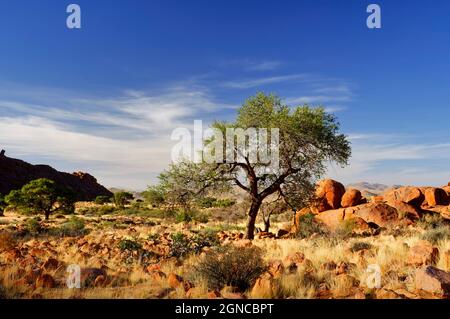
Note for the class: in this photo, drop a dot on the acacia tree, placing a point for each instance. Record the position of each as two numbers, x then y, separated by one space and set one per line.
42 196
309 139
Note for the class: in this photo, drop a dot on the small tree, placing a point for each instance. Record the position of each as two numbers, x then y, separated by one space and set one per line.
122 198
101 200
155 195
309 139
42 196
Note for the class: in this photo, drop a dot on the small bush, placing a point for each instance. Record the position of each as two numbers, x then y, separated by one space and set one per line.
127 244
184 217
437 234
101 200
74 227
231 266
183 245
309 226
345 229
360 245
33 226
188 216
431 221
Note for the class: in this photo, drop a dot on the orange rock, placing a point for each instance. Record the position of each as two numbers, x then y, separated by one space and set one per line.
351 197
407 194
213 295
377 199
433 280
265 287
379 213
332 191
436 196
174 281
275 268
50 264
423 253
45 281
407 210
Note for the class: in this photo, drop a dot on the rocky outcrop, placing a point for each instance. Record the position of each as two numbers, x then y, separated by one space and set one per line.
408 194
329 194
436 196
433 280
15 173
352 197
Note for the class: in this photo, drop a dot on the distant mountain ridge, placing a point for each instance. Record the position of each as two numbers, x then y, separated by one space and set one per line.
371 189
15 173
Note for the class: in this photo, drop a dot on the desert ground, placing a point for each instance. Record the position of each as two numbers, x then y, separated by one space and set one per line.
335 249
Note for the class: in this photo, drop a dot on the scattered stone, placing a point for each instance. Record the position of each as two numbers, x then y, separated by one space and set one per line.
50 264
45 281
174 281
433 280
423 253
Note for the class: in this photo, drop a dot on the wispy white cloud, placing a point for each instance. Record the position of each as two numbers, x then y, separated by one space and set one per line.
258 82
264 66
394 159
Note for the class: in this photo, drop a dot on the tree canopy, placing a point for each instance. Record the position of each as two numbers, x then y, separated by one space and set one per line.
308 140
42 196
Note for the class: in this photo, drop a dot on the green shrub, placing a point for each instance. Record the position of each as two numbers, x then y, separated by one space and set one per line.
184 216
101 200
74 227
183 245
231 266
208 202
360 245
431 221
33 226
345 228
127 244
437 234
309 226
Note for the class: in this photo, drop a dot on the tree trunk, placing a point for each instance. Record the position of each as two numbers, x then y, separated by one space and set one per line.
252 213
47 215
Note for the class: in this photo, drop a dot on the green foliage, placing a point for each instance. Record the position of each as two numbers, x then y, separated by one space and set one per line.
42 196
155 195
33 226
309 226
74 227
97 211
184 216
101 200
431 221
122 198
208 202
127 244
435 235
345 228
231 266
183 245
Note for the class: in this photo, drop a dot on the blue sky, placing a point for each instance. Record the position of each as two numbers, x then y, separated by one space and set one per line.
105 99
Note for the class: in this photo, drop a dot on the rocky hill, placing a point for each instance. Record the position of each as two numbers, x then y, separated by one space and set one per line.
15 173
